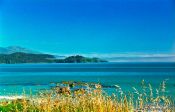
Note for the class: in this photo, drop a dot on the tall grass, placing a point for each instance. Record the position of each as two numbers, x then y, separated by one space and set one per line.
93 99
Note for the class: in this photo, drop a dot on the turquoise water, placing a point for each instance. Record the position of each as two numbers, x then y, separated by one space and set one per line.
16 78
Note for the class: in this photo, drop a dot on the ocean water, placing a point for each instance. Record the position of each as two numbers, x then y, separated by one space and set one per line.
15 78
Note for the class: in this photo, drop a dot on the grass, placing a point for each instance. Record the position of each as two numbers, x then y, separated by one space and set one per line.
92 98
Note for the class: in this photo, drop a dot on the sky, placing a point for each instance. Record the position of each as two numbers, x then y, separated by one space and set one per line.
109 27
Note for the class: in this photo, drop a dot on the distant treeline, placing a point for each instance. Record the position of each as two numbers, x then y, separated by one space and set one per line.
20 57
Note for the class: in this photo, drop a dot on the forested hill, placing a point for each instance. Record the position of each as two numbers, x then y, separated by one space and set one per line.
20 57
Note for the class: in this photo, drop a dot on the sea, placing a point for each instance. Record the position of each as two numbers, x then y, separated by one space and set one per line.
15 79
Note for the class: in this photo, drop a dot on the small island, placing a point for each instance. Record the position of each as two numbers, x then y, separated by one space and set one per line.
20 57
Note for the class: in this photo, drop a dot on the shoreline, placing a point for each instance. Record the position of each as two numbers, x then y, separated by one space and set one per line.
14 97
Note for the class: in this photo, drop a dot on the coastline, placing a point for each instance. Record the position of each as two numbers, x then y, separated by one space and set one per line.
92 98
14 97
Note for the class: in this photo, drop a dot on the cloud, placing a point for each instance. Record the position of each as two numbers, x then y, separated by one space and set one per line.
130 57
109 55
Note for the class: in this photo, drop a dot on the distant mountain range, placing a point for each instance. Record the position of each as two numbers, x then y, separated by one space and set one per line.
16 54
20 57
7 53
14 49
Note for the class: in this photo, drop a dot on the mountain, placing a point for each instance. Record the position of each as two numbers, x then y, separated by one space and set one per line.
17 54
14 49
3 50
20 57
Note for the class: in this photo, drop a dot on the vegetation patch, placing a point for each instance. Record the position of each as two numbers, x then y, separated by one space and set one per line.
90 97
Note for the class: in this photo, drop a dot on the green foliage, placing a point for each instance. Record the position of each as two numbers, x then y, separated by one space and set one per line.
11 107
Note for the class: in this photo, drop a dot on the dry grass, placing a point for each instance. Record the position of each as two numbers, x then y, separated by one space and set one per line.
93 99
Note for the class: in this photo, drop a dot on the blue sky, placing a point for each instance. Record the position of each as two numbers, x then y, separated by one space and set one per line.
89 26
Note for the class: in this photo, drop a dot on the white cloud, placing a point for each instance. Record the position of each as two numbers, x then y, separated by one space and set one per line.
129 57
122 55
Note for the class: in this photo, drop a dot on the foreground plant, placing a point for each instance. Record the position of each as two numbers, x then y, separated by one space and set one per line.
92 98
